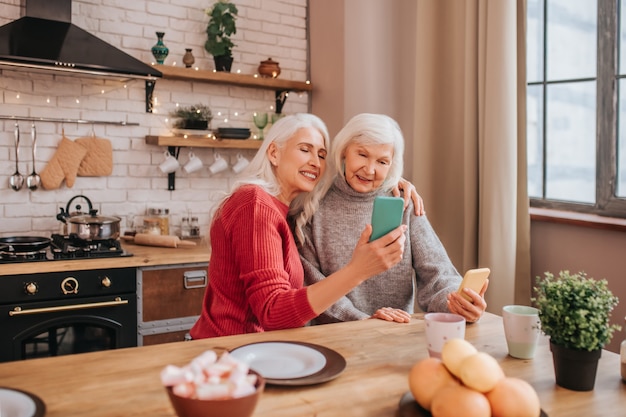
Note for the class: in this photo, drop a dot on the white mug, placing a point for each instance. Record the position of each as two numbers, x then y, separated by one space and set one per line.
193 164
219 165
170 164
241 164
521 329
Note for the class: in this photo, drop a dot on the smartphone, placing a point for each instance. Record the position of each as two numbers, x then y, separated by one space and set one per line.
386 215
474 279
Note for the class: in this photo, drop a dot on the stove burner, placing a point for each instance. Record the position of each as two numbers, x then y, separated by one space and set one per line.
12 256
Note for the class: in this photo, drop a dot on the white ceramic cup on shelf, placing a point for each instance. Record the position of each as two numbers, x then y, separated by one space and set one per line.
170 164
241 164
218 165
193 164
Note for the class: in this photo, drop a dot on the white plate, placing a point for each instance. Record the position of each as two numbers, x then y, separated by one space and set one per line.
281 360
16 403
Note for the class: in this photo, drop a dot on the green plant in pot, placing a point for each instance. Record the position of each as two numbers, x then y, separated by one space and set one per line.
222 17
197 116
575 311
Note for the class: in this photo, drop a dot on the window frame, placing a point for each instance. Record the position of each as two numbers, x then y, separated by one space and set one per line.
607 80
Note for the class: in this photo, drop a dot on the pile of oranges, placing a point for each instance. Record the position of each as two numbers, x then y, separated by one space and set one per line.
465 382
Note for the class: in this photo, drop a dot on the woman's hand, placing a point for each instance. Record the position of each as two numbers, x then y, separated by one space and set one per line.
392 314
409 193
471 310
372 258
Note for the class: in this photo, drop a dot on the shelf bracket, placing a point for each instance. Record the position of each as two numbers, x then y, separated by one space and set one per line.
281 97
171 177
149 92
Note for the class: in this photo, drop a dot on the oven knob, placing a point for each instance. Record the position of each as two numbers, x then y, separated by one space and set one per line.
31 288
106 282
69 285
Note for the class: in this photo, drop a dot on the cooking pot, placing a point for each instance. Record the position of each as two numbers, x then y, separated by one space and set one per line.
94 227
24 244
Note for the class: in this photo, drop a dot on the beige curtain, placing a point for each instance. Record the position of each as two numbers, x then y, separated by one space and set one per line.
469 156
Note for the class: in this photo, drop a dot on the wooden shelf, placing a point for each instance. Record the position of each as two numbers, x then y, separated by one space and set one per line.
219 77
203 142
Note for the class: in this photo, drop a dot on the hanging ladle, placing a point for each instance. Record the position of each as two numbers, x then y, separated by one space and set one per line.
33 180
17 180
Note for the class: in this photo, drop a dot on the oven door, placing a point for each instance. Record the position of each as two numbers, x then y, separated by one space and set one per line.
63 327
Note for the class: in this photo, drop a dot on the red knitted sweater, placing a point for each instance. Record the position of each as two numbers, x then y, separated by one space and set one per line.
255 274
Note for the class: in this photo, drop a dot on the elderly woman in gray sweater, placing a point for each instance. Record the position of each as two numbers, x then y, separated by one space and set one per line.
367 162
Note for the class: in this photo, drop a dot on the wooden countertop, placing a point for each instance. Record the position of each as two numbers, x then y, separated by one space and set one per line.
142 256
379 356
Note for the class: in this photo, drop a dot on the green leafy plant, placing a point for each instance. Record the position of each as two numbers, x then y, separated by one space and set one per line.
574 310
192 115
222 17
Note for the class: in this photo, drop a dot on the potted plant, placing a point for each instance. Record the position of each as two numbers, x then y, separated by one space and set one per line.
198 116
574 311
222 16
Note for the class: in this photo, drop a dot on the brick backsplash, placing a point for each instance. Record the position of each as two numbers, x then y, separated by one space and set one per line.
265 28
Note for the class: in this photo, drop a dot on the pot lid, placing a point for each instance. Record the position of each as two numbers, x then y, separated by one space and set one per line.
93 218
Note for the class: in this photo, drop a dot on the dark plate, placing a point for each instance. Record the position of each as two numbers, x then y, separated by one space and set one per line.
335 364
410 408
18 403
233 135
239 130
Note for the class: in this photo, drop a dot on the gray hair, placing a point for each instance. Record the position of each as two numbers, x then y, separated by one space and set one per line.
364 129
260 171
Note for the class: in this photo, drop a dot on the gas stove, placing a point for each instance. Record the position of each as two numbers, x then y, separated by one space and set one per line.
68 247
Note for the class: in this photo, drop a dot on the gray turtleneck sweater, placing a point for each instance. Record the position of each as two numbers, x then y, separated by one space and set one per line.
425 270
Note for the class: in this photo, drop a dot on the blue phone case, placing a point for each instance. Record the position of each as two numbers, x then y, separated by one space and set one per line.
386 215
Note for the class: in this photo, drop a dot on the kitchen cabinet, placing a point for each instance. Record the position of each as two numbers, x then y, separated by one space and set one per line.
169 301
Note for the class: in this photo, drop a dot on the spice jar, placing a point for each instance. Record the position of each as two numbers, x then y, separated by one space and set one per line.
185 228
151 226
194 228
163 216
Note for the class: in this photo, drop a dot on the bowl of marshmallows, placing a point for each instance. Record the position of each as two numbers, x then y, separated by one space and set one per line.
212 386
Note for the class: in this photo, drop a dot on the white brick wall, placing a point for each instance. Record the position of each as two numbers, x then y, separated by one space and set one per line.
265 28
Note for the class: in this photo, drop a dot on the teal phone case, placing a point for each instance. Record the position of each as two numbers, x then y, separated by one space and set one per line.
386 215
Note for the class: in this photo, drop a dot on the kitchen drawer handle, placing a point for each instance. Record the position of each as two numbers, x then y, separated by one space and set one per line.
194 279
17 311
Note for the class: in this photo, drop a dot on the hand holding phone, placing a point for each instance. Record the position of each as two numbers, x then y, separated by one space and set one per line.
473 279
386 215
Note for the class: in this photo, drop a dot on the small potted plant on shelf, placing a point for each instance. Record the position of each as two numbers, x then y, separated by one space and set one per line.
222 16
198 116
574 311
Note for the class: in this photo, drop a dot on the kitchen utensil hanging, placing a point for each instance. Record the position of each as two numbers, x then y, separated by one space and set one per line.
33 180
16 180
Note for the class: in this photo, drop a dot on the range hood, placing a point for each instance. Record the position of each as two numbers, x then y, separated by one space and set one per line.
46 40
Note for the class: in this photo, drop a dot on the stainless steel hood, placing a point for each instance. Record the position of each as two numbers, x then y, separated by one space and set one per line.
46 40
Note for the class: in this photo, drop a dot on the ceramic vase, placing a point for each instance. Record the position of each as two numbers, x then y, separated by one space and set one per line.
159 50
188 58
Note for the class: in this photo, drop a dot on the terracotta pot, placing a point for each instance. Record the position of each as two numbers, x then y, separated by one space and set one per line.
269 68
575 369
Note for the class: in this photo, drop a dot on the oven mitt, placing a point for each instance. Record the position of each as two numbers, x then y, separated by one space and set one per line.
98 162
63 165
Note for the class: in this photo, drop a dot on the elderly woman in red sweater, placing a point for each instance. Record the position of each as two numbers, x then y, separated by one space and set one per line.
255 274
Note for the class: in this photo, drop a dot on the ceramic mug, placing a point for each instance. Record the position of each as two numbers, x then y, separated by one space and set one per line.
193 164
241 164
441 327
170 164
218 165
521 329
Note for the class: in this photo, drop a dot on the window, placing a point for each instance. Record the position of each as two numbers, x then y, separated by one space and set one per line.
576 143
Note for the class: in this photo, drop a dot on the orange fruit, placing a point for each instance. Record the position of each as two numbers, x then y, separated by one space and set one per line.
426 378
513 397
453 353
455 400
480 372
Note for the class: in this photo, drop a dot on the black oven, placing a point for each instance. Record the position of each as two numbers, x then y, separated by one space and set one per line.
60 313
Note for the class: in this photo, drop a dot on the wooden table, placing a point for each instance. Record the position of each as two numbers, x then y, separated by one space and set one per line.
379 355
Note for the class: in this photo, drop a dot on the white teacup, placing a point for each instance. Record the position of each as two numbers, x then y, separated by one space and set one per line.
170 164
521 329
441 327
241 164
193 164
219 165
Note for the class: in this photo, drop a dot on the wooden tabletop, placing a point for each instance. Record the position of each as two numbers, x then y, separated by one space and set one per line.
379 355
142 256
